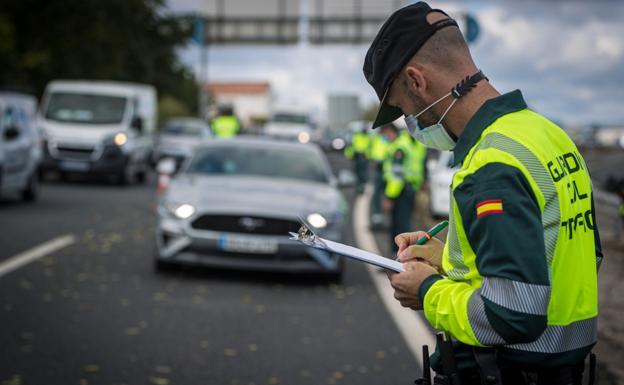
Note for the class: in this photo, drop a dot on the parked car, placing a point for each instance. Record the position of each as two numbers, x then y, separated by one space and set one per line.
98 127
440 178
178 138
233 204
20 145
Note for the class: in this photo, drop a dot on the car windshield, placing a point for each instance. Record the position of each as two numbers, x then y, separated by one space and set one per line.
264 162
85 108
182 129
290 118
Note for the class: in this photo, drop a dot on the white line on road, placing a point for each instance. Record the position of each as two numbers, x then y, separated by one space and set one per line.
410 324
28 256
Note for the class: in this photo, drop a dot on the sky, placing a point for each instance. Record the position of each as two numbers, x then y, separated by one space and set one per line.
567 57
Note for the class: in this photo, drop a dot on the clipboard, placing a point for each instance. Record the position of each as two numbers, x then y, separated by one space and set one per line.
306 236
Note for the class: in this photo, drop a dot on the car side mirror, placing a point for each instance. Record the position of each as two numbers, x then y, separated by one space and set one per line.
137 124
11 133
346 178
166 166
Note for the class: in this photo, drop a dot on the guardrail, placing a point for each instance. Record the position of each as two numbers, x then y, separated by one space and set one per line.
607 215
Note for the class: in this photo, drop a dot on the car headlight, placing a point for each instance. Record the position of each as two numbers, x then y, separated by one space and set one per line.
317 220
303 137
120 139
183 211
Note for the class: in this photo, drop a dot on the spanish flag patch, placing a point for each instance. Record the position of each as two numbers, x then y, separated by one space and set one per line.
492 206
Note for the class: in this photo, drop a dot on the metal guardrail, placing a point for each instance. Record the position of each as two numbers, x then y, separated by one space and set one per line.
607 215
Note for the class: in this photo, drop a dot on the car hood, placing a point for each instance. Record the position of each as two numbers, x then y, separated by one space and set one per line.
179 141
78 133
254 195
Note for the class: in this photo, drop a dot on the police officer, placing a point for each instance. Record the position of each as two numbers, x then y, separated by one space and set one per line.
358 151
403 176
378 152
515 283
226 124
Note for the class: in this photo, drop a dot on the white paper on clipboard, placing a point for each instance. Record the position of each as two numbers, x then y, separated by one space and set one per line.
307 237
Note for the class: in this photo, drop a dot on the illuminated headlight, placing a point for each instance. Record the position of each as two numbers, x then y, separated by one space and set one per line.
184 211
120 139
303 137
317 220
338 144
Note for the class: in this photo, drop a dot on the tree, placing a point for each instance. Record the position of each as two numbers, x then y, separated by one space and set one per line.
127 40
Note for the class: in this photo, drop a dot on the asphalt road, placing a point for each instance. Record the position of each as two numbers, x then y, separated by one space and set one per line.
96 312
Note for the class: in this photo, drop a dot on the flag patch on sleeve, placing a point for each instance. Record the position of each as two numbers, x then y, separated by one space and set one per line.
492 206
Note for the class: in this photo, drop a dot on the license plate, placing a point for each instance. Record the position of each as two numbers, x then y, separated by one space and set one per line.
244 244
69 165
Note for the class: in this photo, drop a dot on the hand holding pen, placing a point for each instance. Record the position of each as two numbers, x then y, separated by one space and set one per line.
422 246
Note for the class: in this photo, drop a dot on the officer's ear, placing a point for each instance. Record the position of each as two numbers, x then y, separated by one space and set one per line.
415 80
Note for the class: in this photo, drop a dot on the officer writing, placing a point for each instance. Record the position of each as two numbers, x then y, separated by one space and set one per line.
515 283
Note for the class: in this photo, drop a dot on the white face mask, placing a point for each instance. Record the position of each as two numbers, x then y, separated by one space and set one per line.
434 136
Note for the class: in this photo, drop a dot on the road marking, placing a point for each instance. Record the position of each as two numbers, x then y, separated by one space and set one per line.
28 256
411 325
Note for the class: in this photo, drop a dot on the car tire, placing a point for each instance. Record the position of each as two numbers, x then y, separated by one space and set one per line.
334 277
126 175
141 176
31 192
161 266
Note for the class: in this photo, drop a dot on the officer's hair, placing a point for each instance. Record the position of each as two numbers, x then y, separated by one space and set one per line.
445 50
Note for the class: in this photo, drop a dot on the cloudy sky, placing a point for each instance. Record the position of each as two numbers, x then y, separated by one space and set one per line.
566 56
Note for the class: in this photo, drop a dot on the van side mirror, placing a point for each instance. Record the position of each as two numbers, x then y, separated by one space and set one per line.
11 133
137 124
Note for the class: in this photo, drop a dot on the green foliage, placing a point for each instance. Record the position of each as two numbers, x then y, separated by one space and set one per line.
126 40
170 107
370 112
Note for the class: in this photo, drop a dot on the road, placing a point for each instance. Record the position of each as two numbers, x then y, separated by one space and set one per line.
96 312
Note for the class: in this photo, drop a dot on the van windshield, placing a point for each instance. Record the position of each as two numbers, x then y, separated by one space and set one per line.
85 108
284 117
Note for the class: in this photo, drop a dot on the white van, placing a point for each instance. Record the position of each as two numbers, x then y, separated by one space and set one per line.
20 145
98 127
292 124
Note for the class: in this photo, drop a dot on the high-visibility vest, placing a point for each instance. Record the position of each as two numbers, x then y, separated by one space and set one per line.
360 144
398 171
225 126
378 148
523 249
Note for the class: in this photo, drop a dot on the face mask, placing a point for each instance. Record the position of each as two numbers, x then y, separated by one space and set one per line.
434 136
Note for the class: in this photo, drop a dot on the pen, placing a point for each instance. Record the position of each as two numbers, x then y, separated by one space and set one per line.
431 233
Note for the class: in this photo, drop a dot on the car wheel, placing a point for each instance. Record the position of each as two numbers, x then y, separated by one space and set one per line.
334 277
126 175
141 176
162 266
31 192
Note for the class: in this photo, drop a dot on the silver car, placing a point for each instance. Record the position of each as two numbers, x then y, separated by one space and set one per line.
233 204
20 146
178 137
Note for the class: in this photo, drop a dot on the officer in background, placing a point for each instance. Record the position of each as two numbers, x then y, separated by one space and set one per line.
378 151
226 124
403 175
515 283
358 151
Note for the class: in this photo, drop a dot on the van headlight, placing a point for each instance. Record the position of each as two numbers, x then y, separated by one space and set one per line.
303 137
120 139
317 220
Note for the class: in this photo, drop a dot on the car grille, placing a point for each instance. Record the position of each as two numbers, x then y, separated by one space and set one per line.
68 152
245 224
